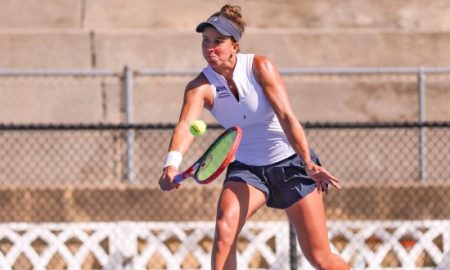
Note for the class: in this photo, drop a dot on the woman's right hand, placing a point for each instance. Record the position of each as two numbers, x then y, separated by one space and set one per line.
166 181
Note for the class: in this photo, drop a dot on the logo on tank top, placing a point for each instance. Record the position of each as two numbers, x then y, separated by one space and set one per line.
222 92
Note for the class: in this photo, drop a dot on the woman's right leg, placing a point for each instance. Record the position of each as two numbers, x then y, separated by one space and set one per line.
237 203
308 218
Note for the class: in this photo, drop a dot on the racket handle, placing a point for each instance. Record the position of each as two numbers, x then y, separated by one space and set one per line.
179 178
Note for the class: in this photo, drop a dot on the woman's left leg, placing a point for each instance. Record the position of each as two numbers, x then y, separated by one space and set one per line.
308 218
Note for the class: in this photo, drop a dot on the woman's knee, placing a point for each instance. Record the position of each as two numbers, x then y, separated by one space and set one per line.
226 231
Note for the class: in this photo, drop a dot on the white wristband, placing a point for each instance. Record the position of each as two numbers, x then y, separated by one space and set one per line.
173 158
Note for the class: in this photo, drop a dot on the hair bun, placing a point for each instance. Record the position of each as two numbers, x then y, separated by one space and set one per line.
232 11
234 14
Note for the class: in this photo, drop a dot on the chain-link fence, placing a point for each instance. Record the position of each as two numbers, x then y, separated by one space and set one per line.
87 197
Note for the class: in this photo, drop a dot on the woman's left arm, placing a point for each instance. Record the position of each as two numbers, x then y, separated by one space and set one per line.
273 86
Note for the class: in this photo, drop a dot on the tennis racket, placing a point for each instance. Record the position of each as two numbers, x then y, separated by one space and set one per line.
215 159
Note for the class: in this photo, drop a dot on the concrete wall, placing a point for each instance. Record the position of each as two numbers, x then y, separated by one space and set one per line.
159 34
143 203
86 33
83 34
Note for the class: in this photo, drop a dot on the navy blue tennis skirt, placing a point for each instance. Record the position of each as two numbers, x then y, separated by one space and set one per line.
284 182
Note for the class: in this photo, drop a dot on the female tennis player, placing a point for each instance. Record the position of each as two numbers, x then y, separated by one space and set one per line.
274 165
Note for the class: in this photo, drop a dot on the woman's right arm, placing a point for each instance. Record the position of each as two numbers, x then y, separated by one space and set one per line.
197 95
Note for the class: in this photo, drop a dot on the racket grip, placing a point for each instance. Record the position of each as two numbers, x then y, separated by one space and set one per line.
179 178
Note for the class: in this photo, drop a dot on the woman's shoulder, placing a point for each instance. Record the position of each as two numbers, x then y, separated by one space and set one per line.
261 64
260 59
198 82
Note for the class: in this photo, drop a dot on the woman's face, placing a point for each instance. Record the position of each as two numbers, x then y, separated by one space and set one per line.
217 49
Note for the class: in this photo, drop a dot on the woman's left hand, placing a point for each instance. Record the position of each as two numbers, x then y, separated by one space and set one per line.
322 177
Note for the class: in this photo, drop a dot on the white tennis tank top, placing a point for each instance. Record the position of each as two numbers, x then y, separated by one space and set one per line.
263 141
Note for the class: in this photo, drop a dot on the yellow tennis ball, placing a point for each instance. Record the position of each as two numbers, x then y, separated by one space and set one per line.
197 128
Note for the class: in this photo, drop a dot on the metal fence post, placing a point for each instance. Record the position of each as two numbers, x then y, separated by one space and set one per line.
292 248
422 118
130 173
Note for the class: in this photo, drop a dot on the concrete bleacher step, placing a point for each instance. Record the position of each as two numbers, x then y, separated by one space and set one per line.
181 49
174 14
157 99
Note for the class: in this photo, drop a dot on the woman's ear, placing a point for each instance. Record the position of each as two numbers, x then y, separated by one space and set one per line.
237 46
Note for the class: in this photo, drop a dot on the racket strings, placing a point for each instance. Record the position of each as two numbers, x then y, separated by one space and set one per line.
215 157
